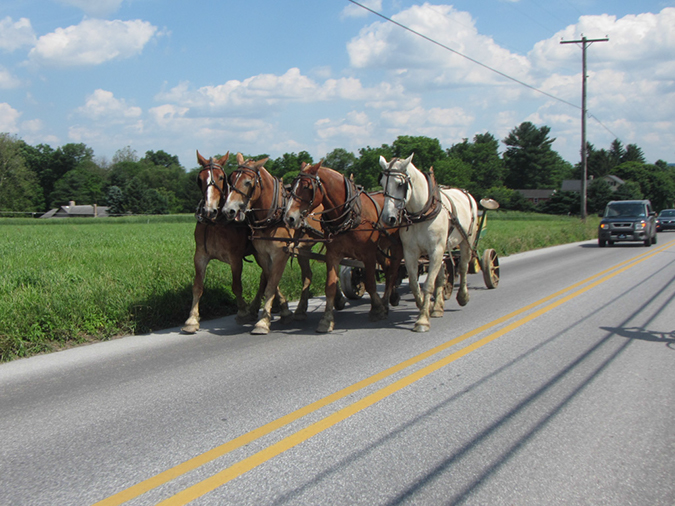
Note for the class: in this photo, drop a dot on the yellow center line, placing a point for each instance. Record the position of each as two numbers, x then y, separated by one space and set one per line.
243 440
247 464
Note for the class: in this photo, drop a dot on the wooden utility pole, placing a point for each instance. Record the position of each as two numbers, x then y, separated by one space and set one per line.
584 176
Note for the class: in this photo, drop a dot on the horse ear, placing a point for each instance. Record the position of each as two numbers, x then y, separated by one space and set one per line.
383 163
240 159
313 169
303 165
409 159
262 162
202 161
224 159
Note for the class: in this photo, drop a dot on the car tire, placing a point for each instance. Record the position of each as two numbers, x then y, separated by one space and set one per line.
610 243
654 239
602 243
648 242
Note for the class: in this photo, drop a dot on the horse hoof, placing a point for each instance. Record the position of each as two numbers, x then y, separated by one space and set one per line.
394 299
300 317
437 314
243 319
340 303
421 328
462 301
260 330
325 327
287 318
190 329
377 315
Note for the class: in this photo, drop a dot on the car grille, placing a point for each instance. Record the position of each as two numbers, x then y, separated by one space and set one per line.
621 225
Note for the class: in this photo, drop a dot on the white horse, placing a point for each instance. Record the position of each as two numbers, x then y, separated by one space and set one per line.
433 228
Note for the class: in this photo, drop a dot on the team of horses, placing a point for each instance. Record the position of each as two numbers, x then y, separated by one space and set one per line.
251 212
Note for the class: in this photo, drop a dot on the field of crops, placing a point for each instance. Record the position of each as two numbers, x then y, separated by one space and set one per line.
66 282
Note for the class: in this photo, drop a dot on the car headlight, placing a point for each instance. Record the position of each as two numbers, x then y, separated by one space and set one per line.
604 226
640 225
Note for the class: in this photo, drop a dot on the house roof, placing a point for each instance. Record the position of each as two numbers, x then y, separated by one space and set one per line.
536 194
76 211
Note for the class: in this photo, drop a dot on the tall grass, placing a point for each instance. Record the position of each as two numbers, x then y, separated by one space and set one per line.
70 281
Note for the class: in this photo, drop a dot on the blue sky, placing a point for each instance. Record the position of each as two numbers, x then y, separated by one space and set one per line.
266 76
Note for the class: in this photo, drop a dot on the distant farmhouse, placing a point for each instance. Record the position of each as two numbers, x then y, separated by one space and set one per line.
536 196
74 211
574 185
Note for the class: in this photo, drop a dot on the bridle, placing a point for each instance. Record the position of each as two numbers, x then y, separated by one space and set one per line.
275 212
316 185
211 182
431 208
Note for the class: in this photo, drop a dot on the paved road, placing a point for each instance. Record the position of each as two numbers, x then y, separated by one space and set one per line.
558 387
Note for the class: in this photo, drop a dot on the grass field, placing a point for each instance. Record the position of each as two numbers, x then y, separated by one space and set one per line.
67 282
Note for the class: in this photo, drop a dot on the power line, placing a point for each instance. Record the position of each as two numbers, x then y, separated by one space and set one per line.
487 67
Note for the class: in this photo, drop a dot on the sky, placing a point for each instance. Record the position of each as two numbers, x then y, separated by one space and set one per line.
275 77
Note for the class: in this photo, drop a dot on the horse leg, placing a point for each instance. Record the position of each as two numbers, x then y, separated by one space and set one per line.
438 308
412 261
465 257
273 276
285 314
327 322
378 310
301 310
201 260
435 260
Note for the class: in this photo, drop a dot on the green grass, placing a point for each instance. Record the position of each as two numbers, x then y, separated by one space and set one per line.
66 282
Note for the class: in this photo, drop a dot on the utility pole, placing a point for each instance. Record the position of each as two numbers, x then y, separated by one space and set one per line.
584 176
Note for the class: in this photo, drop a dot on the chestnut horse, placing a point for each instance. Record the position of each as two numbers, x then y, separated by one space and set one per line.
438 220
215 238
350 223
258 198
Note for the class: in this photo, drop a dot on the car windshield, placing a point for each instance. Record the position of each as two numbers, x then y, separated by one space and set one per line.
625 210
668 213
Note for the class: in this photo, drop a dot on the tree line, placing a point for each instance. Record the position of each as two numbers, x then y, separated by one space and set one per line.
39 178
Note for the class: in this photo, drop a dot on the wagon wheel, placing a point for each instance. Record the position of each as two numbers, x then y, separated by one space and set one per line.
351 279
449 277
490 268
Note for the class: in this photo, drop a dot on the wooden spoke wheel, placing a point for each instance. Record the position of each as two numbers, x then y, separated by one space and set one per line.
449 277
490 268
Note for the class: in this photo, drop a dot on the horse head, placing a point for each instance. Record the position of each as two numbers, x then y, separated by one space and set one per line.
306 195
396 183
213 184
245 188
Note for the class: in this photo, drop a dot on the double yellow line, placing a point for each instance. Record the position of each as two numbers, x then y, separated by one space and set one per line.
247 464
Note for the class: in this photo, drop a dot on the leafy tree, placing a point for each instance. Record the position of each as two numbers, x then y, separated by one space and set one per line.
161 158
486 166
633 154
367 170
452 171
563 203
115 200
599 193
19 186
134 196
289 162
125 154
530 161
630 190
428 152
341 160
80 185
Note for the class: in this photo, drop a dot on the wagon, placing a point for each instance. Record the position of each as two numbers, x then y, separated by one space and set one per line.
352 273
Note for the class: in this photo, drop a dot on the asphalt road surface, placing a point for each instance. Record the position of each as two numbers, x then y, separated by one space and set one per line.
558 387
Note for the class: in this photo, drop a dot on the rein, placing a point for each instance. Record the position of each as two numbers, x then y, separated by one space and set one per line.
432 206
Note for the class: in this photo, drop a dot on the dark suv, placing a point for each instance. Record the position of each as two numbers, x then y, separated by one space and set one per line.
627 220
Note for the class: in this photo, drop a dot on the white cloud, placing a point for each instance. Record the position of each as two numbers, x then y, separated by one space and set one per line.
354 11
14 35
411 58
266 92
8 118
102 104
7 80
92 42
96 8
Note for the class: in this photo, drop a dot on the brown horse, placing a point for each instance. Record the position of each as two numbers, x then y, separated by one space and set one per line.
350 223
258 198
215 238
